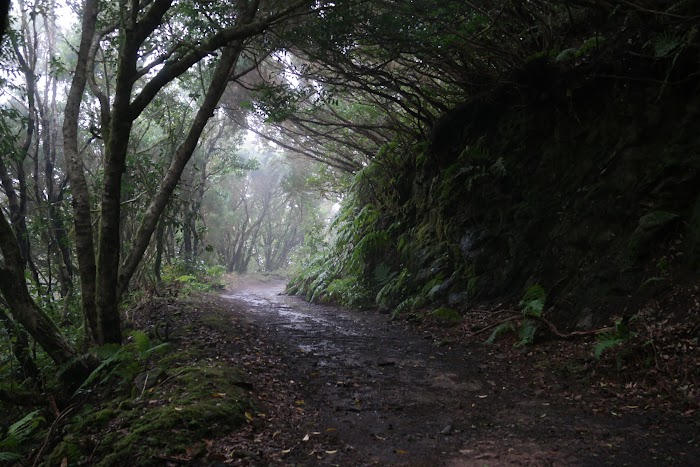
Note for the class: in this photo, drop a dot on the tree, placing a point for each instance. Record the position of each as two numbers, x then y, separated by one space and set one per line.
152 53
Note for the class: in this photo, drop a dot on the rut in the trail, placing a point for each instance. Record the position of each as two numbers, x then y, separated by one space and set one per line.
395 397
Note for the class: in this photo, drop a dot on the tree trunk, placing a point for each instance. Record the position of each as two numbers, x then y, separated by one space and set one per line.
158 262
23 308
227 61
82 218
20 346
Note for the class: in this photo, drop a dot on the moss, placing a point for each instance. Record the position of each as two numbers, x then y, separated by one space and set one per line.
66 450
198 400
446 315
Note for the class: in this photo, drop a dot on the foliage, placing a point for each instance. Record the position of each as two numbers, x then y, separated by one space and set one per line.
193 277
120 364
533 301
176 400
500 330
609 340
362 263
532 306
17 435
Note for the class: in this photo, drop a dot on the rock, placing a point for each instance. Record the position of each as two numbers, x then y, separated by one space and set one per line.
648 227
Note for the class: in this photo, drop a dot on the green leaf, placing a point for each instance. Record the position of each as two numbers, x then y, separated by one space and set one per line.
665 44
17 434
566 54
533 301
141 340
526 332
501 329
604 345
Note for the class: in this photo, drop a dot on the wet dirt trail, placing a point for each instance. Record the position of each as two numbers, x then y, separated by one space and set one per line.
392 396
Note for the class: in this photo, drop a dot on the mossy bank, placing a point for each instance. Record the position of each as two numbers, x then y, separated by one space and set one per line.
158 406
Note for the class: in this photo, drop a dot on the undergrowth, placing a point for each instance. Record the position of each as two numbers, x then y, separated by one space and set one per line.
532 307
193 277
146 400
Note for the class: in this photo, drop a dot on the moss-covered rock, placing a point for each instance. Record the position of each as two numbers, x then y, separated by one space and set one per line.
649 226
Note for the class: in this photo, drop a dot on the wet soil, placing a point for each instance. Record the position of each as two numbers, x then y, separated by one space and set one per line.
345 387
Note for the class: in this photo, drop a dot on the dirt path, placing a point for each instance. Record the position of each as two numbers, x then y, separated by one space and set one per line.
381 394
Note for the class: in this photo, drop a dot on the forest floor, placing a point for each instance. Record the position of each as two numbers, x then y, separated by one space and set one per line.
351 388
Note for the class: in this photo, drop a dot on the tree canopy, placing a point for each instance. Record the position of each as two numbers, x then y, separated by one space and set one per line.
151 138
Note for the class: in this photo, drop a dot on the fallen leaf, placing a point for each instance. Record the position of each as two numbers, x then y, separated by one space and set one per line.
401 451
219 395
329 429
331 452
306 438
286 451
300 402
249 416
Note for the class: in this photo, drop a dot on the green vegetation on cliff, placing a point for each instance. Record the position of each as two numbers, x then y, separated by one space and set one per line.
580 172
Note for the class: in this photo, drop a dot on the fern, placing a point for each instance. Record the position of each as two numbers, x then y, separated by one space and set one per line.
532 304
601 346
122 361
383 274
101 370
141 340
533 301
370 244
17 434
501 329
607 341
665 44
526 332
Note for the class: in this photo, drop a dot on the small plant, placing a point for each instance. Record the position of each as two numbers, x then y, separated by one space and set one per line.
194 277
532 306
121 363
17 434
620 334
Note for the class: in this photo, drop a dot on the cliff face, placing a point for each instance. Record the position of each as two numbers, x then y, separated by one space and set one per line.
590 189
585 182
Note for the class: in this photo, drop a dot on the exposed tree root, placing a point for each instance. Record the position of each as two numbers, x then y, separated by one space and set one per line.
552 328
